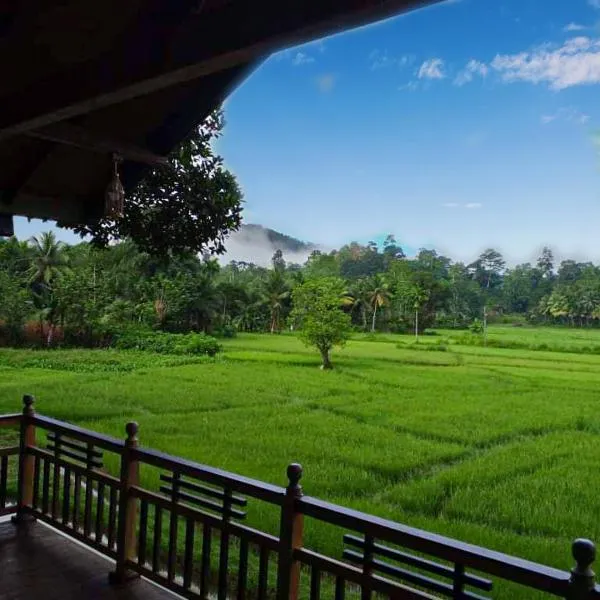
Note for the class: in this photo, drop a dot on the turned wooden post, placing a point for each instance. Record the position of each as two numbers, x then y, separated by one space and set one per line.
26 462
583 578
126 531
290 537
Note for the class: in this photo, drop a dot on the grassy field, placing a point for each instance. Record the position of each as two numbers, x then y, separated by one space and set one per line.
498 447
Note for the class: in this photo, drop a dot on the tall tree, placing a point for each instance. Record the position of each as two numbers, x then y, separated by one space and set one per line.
323 323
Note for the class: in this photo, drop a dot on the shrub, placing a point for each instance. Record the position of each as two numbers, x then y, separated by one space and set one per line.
167 343
476 327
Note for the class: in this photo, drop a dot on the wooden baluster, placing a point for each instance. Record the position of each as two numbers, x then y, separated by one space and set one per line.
224 547
143 535
66 496
157 537
290 537
36 483
340 588
112 517
76 501
263 573
315 584
56 478
26 463
46 486
188 555
205 561
126 534
100 512
243 570
89 488
367 567
3 480
172 552
583 578
458 583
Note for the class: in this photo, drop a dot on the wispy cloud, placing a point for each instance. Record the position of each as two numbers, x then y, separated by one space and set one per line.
411 86
576 62
326 82
594 3
432 69
301 58
468 205
574 27
568 113
383 60
474 68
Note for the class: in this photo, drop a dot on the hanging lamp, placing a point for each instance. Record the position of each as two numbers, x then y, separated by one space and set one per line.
114 197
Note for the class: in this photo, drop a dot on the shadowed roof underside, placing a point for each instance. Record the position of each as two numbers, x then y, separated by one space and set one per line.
84 80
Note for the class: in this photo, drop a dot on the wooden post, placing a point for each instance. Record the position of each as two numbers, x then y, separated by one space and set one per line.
290 537
126 531
583 579
26 463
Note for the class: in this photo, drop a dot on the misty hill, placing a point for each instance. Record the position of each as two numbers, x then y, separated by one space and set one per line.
256 244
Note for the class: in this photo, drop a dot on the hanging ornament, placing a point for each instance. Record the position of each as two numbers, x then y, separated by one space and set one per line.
114 197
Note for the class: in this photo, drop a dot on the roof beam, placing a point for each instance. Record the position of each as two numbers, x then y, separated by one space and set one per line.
72 135
152 56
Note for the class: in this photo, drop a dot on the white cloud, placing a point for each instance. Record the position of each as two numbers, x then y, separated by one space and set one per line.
474 68
432 69
574 27
302 58
411 86
576 62
326 82
382 60
568 113
473 205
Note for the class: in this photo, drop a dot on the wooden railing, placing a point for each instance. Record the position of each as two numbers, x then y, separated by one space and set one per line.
180 524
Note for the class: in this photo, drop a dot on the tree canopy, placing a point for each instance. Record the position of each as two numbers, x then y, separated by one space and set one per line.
189 205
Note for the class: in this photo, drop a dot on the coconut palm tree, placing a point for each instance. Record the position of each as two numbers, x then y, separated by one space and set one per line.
275 291
48 262
379 295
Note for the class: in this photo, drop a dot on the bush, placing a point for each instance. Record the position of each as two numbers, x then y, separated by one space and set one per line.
476 327
167 343
226 331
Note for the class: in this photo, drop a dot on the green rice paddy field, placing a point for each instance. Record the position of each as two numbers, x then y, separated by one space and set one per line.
494 446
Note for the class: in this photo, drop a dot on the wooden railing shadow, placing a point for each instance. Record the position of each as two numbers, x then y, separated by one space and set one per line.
181 524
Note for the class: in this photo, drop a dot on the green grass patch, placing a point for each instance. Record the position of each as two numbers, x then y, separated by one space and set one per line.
494 446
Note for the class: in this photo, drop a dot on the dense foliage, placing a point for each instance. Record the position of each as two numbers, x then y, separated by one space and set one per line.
52 293
188 205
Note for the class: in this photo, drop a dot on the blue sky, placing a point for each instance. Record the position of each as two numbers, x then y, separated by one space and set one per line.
460 126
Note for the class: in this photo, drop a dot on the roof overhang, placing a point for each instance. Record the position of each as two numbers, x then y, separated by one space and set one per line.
85 80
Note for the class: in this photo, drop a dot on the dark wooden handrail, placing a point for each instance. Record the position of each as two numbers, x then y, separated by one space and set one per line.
10 420
67 487
534 575
244 485
78 433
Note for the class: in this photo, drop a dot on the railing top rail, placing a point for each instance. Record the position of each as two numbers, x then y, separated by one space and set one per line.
9 420
253 487
538 576
85 435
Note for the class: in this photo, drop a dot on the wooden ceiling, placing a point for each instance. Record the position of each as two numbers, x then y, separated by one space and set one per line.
83 80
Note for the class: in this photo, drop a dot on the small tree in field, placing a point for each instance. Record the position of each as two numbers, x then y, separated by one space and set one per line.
318 308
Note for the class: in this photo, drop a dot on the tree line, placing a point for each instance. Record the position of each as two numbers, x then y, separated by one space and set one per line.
79 292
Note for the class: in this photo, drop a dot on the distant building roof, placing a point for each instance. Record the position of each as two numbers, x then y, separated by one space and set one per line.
82 80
